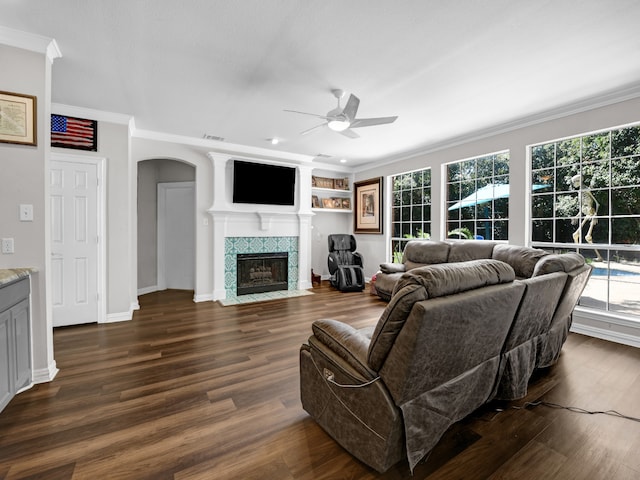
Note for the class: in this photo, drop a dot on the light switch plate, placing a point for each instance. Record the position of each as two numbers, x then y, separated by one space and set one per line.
26 213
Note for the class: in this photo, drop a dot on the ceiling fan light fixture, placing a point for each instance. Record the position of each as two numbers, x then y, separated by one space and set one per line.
338 125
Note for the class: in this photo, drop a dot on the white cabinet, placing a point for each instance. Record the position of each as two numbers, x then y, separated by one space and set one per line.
15 340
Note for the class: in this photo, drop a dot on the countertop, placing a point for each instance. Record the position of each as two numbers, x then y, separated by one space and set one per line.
9 275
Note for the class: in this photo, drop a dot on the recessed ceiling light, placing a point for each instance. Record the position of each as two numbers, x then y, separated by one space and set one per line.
343 160
274 141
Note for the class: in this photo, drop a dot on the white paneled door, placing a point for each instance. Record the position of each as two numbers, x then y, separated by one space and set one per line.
75 241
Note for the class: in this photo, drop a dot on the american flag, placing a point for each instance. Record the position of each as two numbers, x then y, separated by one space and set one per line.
71 132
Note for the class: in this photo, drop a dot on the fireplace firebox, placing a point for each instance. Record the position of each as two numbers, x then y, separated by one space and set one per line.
262 272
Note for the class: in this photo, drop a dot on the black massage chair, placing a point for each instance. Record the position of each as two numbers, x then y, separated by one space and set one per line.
345 265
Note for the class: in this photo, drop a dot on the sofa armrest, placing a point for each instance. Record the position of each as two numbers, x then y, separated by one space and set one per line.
348 343
392 267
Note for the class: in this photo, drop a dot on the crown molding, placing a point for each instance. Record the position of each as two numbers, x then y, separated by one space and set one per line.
628 92
99 115
31 42
225 148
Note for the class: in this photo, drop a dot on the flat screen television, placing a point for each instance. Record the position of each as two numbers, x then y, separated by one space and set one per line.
263 184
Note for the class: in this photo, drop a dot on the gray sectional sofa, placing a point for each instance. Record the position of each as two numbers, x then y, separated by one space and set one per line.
468 325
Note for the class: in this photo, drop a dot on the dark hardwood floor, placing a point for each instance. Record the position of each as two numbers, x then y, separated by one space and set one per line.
201 391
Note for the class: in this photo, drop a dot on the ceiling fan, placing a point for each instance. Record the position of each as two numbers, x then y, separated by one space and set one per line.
342 120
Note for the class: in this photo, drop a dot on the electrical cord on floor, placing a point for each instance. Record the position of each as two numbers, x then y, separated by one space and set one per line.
612 413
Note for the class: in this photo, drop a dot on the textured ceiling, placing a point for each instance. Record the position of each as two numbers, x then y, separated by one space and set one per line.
230 68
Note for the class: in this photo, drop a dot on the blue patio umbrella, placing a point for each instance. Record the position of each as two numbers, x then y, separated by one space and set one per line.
488 193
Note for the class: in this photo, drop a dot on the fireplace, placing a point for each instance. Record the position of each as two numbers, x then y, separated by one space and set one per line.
262 272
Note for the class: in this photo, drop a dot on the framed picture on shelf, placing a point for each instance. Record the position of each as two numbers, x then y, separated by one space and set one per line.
368 206
341 183
315 202
321 182
327 203
18 118
337 202
346 203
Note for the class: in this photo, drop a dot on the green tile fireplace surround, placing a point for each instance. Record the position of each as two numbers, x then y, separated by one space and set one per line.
238 245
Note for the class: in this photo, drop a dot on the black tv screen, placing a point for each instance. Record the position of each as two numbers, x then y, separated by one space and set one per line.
263 183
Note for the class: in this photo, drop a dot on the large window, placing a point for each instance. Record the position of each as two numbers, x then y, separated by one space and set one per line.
411 208
585 195
478 197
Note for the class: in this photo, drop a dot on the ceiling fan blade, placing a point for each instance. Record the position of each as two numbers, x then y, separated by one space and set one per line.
349 133
312 129
351 108
306 113
368 122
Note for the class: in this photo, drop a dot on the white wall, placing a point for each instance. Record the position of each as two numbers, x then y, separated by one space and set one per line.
24 179
323 225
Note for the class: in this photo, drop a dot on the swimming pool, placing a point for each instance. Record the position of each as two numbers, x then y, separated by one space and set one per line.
603 272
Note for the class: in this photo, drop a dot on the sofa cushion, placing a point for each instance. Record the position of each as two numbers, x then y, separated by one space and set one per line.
558 263
429 282
465 250
522 259
425 252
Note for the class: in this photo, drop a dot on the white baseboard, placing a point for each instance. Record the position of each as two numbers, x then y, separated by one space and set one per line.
123 316
208 297
606 326
145 290
45 375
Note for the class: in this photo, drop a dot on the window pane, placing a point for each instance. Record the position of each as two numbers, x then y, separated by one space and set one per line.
501 208
625 171
595 147
484 210
625 231
453 192
625 141
567 205
542 206
542 231
468 170
501 230
453 172
564 178
416 213
542 156
485 167
568 152
625 201
543 177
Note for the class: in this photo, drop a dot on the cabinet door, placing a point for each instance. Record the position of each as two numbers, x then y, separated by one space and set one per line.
6 367
20 318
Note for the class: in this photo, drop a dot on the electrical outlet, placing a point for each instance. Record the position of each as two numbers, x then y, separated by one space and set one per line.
7 245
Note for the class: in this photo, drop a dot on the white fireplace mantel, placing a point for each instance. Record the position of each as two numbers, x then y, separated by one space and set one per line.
233 220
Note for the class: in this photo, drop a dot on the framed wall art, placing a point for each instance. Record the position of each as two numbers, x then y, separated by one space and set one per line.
368 206
18 118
